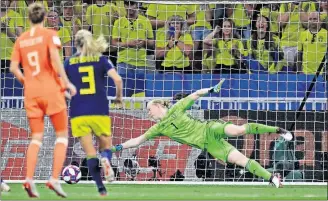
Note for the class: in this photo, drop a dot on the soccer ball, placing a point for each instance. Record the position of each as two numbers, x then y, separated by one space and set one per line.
4 187
71 174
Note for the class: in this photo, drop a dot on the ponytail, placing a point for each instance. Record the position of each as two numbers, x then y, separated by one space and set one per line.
88 46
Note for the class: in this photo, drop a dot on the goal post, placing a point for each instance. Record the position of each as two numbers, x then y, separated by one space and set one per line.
262 49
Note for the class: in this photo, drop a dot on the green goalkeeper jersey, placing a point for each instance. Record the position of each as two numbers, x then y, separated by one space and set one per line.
180 126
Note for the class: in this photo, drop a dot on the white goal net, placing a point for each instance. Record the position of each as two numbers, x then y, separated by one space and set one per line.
273 55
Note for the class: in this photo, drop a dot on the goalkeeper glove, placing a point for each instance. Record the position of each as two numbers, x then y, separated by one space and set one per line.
117 147
216 88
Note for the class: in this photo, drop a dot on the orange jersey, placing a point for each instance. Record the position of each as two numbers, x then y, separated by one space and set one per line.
32 51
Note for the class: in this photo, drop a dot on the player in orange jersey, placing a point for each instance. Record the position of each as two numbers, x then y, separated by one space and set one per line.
45 82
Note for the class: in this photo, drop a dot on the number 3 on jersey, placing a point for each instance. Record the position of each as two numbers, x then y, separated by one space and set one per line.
33 61
89 78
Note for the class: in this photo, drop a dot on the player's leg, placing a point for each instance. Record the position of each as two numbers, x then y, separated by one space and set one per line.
93 162
60 123
105 143
224 151
36 121
235 157
102 129
82 129
232 130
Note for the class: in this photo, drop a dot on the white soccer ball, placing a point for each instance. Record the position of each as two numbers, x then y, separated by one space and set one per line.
71 174
4 187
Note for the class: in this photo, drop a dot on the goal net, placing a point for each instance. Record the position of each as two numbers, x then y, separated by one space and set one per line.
272 55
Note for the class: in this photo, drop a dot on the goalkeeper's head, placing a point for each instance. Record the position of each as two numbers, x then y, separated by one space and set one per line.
86 45
158 108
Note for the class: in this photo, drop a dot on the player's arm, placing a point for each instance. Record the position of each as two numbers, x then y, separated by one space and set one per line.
151 133
134 142
15 69
202 92
14 64
299 56
58 65
112 73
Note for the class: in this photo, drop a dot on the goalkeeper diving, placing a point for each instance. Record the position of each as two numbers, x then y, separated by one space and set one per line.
176 124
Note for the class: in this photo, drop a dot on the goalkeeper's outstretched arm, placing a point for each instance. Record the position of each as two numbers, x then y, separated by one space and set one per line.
202 92
130 143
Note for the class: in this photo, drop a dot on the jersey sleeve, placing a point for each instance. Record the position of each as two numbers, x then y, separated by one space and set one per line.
116 31
54 41
150 33
191 9
16 55
88 14
187 39
300 41
107 64
152 10
152 132
183 104
19 22
66 37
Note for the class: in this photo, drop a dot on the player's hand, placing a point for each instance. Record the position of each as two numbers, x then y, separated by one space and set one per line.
117 147
4 26
118 102
140 44
217 88
67 95
217 29
72 89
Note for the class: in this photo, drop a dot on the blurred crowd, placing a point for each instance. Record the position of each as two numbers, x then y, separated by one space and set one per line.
185 38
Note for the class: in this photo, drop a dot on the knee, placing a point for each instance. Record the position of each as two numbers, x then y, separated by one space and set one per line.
234 130
37 137
62 140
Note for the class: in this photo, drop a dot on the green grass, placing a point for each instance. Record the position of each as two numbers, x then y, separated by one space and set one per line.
179 192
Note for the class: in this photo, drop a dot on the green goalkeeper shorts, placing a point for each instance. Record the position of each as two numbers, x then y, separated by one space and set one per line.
215 143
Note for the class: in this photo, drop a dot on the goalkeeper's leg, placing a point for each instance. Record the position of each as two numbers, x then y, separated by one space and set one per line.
235 157
255 128
93 162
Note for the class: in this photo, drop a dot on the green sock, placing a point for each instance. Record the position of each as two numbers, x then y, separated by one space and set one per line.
254 128
255 168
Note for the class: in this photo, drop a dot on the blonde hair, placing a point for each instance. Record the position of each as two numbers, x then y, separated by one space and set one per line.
36 13
163 103
88 46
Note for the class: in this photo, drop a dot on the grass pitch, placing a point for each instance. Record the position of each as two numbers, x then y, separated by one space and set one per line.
176 192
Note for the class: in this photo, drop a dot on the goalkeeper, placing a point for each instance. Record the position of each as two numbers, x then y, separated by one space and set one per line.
174 123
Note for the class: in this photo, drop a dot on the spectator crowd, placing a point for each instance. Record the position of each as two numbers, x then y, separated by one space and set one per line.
185 38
